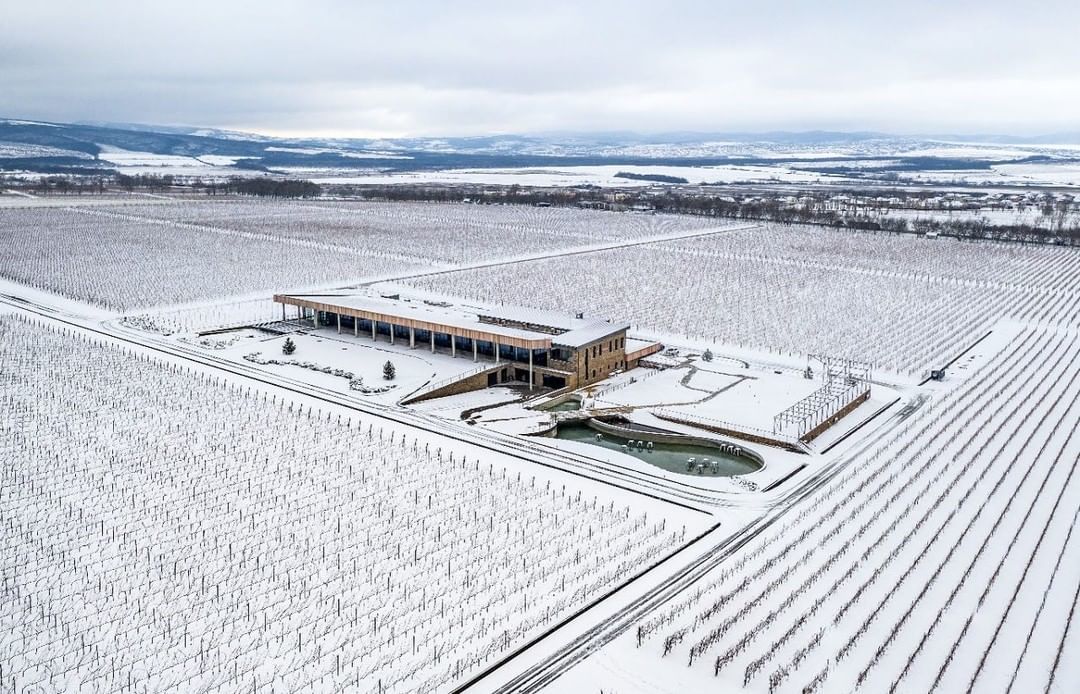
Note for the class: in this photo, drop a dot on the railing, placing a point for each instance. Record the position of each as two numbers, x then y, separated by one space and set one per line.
708 422
282 327
631 380
435 385
819 406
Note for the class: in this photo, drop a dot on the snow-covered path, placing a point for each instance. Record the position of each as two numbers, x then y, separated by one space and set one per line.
569 252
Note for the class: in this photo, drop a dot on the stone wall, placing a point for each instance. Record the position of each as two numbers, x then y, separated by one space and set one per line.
582 369
468 384
633 359
673 437
846 409
733 433
608 358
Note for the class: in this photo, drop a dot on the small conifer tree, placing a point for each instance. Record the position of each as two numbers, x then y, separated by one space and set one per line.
388 371
707 356
289 347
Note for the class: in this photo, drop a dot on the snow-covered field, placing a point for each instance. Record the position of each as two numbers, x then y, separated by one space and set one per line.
601 175
439 233
1028 174
167 529
20 149
135 163
122 261
360 357
139 256
942 560
746 398
163 530
206 316
901 302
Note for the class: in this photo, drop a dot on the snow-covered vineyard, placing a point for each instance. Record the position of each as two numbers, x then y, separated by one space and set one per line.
899 302
126 257
943 560
123 262
441 233
183 510
163 531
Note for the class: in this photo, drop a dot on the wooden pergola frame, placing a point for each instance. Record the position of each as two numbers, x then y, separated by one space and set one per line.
495 336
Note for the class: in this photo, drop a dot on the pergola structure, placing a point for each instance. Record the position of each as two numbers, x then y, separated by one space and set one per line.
843 382
416 317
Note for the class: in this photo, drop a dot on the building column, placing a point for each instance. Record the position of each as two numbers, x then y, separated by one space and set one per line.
355 326
283 312
339 324
412 337
453 345
530 370
496 351
432 333
374 324
391 333
315 318
475 354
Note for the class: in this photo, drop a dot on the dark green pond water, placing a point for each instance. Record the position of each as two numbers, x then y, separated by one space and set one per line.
668 456
570 405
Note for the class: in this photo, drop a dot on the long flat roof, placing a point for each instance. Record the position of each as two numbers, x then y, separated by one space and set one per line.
559 320
418 314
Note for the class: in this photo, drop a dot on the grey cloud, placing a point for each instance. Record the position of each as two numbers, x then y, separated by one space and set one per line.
470 67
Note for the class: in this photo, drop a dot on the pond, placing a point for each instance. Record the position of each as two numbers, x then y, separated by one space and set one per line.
565 406
568 404
672 457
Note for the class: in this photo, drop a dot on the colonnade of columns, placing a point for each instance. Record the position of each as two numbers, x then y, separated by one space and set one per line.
301 314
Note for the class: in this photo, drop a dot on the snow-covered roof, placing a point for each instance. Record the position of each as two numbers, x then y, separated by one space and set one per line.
447 316
634 344
535 316
587 334
578 331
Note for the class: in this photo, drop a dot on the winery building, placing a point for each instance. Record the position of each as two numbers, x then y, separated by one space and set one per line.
521 345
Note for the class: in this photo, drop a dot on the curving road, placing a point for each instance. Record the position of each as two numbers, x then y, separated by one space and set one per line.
523 671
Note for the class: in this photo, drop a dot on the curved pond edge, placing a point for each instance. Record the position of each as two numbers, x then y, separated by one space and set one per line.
552 404
659 436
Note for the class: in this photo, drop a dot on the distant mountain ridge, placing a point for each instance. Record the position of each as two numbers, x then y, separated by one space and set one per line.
44 146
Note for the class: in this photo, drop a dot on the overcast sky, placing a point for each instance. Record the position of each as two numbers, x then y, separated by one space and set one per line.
448 68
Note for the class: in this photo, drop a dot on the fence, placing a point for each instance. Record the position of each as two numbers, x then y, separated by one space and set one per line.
740 431
813 410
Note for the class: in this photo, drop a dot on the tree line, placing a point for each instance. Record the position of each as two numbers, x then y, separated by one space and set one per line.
265 187
74 185
764 206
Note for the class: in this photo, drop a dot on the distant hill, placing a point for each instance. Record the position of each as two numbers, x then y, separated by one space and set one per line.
107 147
